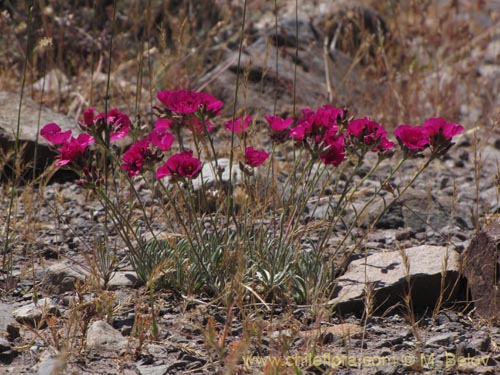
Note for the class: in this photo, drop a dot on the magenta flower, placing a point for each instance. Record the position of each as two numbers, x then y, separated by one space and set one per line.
133 158
163 124
254 157
159 136
210 103
301 130
441 132
52 133
73 148
180 165
384 147
118 122
412 137
370 133
185 102
316 124
88 118
304 125
278 124
334 153
239 125
439 125
366 131
327 116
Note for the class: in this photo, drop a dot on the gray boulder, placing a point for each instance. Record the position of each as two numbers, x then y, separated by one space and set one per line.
387 274
33 118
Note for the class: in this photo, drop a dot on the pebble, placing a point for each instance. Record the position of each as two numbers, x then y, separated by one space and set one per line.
441 340
33 313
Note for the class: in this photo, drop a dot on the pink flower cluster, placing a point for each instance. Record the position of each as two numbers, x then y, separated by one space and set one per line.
183 102
316 130
114 122
368 133
326 133
435 132
180 165
70 147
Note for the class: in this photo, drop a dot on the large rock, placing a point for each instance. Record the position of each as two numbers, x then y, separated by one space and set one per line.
315 68
388 274
33 117
481 265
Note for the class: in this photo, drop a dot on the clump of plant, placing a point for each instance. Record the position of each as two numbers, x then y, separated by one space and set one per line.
254 245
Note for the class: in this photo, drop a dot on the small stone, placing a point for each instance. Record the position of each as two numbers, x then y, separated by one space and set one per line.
378 330
446 317
421 236
12 332
122 279
443 339
50 366
402 235
480 268
32 314
102 336
7 353
481 344
153 370
62 277
464 155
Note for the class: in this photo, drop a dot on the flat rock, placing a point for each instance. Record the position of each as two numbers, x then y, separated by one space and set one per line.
62 277
33 313
102 336
386 273
30 124
153 370
123 279
441 339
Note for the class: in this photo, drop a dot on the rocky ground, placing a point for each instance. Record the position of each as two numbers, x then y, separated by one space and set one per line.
78 327
448 339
